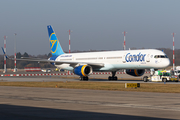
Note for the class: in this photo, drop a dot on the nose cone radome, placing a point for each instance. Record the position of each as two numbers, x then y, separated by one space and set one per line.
166 63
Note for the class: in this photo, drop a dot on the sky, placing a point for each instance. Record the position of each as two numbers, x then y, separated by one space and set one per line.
95 24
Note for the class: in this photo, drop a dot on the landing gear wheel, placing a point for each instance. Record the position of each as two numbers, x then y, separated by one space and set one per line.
86 78
82 78
115 78
145 78
112 78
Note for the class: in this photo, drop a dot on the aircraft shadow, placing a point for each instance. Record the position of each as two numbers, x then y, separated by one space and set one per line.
14 112
99 79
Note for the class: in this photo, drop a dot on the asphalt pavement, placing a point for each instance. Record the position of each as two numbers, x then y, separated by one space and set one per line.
27 103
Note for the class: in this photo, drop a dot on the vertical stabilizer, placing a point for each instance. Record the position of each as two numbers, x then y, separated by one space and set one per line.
55 46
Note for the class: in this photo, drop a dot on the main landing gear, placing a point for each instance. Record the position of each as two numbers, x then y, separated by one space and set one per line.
82 78
110 78
113 77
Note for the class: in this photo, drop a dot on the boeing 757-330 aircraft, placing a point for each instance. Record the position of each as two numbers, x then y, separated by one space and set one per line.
83 64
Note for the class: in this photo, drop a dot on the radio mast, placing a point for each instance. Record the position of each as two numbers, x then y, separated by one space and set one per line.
124 46
5 70
69 41
173 51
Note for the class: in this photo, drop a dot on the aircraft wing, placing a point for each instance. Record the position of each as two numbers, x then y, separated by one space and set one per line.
72 63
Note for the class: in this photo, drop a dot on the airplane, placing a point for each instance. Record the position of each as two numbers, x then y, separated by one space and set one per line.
84 64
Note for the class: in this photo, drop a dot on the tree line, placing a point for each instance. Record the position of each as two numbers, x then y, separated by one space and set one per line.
22 64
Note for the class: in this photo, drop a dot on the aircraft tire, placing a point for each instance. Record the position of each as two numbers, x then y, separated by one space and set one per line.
84 78
80 78
115 78
109 78
112 78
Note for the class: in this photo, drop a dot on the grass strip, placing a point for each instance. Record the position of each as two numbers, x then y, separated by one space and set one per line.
144 87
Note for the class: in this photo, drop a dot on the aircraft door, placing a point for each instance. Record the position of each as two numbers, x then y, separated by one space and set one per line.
148 57
124 58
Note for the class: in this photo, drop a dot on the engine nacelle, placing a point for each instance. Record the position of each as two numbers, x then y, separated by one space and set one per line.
135 72
83 70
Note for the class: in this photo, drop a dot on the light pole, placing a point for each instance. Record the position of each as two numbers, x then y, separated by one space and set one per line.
124 46
15 69
173 52
5 70
69 41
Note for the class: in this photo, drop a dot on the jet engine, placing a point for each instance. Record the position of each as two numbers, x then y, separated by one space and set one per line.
83 70
135 72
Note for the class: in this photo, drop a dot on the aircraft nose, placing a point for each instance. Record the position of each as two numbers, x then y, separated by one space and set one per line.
167 63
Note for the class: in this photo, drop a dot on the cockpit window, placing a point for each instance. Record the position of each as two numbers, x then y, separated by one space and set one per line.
160 56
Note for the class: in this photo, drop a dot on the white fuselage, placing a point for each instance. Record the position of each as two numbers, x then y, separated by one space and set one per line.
116 60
